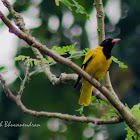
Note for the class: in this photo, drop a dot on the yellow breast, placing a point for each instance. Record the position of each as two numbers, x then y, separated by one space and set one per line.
98 65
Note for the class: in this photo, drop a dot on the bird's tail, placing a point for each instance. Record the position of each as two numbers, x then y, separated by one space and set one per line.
86 93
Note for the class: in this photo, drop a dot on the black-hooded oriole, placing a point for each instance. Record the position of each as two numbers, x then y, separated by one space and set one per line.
96 63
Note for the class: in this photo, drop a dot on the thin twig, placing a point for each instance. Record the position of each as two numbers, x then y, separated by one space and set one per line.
26 78
6 89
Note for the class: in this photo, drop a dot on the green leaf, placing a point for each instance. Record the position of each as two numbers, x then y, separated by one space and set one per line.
94 104
81 110
80 9
83 52
26 61
36 62
31 63
136 112
112 110
93 98
131 135
65 49
75 2
101 105
2 68
67 3
127 106
103 117
21 57
54 48
87 49
121 64
109 115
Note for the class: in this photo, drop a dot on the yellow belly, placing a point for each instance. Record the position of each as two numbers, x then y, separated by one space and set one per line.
98 66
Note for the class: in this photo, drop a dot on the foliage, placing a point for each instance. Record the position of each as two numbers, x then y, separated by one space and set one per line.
68 51
121 64
99 103
131 135
63 51
27 59
81 110
79 9
2 68
136 112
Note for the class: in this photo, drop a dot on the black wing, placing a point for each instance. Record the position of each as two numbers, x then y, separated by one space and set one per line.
77 82
83 67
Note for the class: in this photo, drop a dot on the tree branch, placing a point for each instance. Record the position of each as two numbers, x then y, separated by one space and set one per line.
65 117
6 89
100 20
26 78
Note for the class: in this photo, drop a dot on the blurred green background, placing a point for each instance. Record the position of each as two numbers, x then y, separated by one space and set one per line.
59 26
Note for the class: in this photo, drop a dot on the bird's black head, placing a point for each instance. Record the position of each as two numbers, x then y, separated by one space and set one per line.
107 45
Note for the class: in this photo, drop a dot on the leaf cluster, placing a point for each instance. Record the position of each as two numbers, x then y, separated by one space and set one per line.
99 103
121 64
68 52
65 49
79 9
27 60
131 135
70 49
81 110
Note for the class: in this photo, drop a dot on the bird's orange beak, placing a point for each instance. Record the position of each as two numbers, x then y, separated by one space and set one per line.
115 40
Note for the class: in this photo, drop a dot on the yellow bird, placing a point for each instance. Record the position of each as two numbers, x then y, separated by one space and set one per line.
96 63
